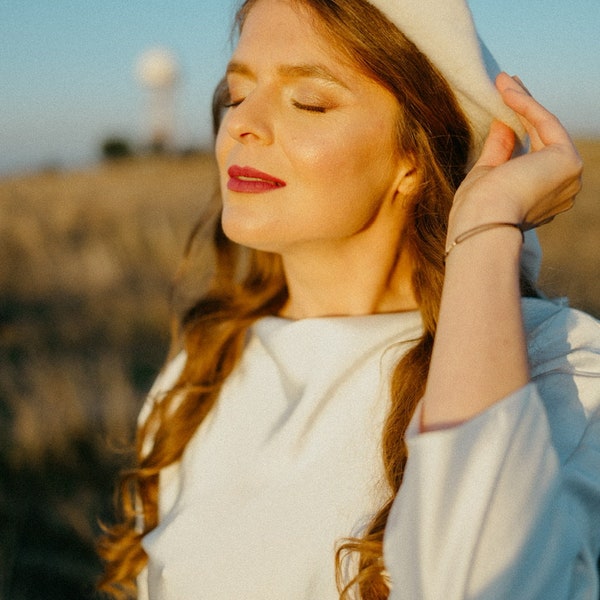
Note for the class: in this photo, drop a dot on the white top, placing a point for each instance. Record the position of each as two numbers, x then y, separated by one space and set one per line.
288 464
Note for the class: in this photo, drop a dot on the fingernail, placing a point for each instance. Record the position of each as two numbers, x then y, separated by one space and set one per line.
518 80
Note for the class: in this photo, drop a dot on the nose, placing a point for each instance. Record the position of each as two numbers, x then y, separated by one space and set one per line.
251 121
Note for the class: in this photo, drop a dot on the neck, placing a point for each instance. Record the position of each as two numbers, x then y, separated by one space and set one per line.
348 283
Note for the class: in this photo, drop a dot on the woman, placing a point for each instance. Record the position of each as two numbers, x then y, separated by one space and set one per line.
364 395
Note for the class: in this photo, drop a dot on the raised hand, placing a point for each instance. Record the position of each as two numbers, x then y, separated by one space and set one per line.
528 190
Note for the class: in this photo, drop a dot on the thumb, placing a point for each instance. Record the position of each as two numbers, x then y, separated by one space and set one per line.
498 146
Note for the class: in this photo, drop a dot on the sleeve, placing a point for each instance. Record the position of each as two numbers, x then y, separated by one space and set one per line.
487 510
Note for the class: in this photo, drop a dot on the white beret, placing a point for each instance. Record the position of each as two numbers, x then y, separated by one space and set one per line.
445 32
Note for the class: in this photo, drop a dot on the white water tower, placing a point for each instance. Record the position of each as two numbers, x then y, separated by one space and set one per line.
157 71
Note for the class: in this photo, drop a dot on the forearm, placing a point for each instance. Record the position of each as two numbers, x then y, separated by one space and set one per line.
479 354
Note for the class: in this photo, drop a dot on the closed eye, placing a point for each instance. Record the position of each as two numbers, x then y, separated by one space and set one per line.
299 105
309 107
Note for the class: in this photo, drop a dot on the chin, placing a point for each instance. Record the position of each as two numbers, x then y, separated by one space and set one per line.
255 238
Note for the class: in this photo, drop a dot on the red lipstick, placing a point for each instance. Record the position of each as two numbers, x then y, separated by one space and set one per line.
249 180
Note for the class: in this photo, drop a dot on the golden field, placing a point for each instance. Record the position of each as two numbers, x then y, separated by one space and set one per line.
86 265
571 243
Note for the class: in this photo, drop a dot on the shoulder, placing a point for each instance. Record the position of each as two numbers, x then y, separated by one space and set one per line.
169 374
165 380
564 356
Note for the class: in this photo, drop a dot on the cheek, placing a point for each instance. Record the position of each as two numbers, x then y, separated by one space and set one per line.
352 161
322 160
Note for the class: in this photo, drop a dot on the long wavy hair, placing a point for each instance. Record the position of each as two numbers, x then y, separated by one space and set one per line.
248 284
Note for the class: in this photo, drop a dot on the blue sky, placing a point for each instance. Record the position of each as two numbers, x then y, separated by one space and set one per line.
67 67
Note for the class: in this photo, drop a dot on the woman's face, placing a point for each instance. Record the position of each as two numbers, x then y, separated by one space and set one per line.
306 151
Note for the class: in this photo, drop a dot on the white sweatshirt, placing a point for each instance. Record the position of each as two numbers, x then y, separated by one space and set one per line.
288 464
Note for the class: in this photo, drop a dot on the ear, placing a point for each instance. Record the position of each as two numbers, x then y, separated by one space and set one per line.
407 178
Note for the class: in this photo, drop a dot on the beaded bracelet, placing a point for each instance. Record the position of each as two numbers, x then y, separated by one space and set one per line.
480 229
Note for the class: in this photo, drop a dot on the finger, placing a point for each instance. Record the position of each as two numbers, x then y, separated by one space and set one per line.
534 139
541 124
498 146
505 82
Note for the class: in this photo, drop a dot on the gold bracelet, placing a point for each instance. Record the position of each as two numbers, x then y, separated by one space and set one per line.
479 229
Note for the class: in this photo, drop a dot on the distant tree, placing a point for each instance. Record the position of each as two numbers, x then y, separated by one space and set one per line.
116 147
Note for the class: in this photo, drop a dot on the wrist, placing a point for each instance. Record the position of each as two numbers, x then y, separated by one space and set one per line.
468 213
484 228
492 250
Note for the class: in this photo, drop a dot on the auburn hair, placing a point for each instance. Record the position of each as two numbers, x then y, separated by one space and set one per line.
248 284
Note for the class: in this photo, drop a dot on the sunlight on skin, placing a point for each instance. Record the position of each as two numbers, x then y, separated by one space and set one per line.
333 221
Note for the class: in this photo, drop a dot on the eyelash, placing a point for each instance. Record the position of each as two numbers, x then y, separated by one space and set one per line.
309 107
299 105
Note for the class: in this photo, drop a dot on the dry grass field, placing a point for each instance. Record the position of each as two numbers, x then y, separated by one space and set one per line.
86 265
571 243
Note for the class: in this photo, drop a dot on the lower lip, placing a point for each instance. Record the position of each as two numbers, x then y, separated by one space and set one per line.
251 186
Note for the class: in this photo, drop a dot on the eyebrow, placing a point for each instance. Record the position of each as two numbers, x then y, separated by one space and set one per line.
311 71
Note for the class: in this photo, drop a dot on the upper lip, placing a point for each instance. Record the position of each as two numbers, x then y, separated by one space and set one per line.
236 171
